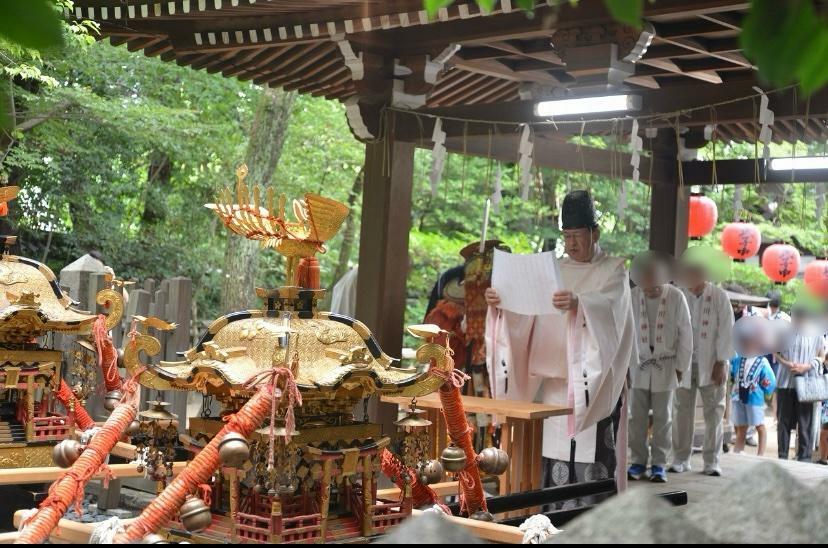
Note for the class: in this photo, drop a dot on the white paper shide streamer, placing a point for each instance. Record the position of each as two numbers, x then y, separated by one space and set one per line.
438 155
497 193
525 152
766 118
636 146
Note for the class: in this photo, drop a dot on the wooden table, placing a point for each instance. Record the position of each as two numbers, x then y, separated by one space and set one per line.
521 435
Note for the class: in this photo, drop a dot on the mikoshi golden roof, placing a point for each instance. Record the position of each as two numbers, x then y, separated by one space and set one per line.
328 352
32 302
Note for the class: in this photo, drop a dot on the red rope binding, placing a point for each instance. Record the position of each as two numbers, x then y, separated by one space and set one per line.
107 355
159 512
67 398
68 488
422 495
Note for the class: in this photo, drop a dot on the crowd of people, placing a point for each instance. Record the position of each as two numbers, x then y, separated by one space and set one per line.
666 335
700 348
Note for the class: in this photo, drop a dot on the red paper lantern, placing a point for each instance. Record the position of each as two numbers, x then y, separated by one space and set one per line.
781 262
741 240
703 216
816 278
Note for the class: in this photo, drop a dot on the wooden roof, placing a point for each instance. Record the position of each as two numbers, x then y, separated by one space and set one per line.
312 46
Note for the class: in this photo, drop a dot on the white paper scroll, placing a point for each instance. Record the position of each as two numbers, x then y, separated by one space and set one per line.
438 155
525 283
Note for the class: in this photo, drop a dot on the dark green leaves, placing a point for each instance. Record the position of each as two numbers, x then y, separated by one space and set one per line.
788 41
626 11
31 24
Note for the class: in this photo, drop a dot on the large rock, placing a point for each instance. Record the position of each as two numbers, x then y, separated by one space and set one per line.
429 528
634 517
765 504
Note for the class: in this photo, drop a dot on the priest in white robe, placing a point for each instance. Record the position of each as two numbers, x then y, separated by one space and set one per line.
712 318
665 349
579 358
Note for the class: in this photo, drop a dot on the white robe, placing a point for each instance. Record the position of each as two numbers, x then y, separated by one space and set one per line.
712 317
343 296
673 344
533 358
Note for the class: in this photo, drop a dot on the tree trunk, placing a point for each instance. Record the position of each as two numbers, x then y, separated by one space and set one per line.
159 173
349 231
264 147
7 116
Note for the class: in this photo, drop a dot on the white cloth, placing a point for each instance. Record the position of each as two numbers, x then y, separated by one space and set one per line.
670 333
536 357
537 529
641 401
343 295
712 318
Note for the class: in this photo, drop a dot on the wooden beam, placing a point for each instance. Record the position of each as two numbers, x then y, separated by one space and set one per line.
551 152
692 27
741 172
670 66
498 69
48 474
664 100
698 47
68 531
485 530
711 45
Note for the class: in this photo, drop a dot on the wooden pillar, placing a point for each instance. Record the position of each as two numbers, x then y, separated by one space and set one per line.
367 496
276 521
325 497
669 201
30 415
383 250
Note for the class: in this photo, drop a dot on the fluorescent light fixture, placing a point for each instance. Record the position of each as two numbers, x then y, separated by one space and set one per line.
587 105
803 162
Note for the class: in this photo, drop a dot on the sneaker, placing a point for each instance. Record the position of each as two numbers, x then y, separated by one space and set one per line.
713 471
751 441
679 467
636 472
658 474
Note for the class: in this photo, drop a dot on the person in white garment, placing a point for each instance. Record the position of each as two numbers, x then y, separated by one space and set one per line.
665 350
578 358
712 318
343 295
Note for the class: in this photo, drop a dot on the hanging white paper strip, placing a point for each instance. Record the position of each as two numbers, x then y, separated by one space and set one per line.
766 119
438 155
525 151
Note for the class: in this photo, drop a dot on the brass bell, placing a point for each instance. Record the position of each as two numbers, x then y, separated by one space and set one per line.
233 450
153 538
195 515
431 472
133 428
493 461
482 515
65 453
453 458
112 399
